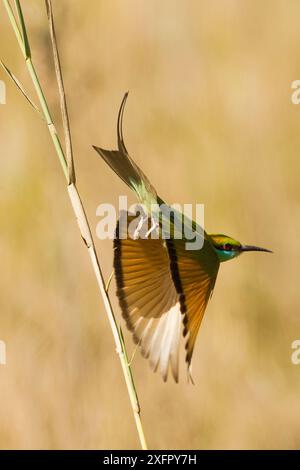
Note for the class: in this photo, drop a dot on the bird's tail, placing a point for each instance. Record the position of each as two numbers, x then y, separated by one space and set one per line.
123 165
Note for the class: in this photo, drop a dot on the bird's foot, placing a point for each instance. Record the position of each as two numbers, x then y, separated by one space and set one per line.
137 231
154 227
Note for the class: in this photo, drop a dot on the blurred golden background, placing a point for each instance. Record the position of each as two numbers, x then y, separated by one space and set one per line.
210 120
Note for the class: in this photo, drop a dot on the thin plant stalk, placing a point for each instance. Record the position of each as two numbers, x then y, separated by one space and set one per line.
68 168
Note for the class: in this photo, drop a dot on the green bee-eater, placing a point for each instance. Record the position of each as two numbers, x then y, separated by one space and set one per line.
163 288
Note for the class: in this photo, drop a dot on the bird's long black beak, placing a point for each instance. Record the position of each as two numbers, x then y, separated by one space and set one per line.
254 248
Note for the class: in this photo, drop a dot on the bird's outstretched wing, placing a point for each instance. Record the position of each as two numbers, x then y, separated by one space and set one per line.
160 286
194 274
148 298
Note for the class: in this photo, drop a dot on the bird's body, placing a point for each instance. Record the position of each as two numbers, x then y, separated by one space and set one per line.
163 288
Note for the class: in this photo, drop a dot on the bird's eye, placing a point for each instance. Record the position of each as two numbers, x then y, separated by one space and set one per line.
227 247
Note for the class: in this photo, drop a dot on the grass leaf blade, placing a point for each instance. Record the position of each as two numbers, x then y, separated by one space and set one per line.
20 87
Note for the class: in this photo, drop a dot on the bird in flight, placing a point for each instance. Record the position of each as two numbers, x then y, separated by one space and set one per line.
163 288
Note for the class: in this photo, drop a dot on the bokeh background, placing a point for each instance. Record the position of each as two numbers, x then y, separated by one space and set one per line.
209 119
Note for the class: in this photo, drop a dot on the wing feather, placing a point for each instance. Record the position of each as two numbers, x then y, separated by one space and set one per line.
148 298
161 285
194 276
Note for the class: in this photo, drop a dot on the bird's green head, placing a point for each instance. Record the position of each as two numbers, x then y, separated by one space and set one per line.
228 248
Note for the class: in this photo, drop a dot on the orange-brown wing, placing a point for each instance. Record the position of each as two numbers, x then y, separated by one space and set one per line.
148 298
194 275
